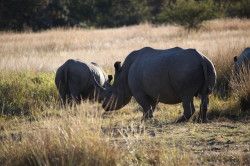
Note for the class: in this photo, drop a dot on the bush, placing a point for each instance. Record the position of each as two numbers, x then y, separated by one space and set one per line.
21 92
224 72
119 13
240 85
239 9
19 15
188 13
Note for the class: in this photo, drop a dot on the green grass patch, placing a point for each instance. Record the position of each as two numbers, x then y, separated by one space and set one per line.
21 92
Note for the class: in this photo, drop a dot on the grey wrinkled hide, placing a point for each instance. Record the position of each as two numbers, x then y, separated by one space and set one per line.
75 80
168 76
242 61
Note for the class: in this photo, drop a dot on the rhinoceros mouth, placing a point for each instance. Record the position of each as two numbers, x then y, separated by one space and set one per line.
110 103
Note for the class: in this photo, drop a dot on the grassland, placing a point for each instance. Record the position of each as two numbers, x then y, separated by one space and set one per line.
34 130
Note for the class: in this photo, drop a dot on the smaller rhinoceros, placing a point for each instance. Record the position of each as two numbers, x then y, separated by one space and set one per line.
75 80
243 61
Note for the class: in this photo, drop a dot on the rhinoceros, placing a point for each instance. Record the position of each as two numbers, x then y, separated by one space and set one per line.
168 76
242 61
75 80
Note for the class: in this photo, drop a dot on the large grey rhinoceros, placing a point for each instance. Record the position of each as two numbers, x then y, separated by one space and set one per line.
169 76
242 61
75 80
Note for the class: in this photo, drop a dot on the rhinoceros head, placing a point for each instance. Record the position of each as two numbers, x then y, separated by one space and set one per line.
117 95
112 98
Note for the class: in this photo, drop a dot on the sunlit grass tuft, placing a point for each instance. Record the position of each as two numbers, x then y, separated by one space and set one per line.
22 92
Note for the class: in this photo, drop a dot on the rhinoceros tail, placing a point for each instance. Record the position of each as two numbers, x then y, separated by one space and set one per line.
65 80
209 76
64 77
205 85
61 84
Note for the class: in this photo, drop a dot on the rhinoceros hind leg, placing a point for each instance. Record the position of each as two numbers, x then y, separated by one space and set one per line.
189 109
75 94
203 109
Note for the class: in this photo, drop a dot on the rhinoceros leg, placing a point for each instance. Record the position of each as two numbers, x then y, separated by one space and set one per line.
75 94
148 105
148 112
203 109
189 110
63 94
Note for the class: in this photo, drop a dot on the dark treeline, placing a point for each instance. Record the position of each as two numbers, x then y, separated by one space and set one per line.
21 15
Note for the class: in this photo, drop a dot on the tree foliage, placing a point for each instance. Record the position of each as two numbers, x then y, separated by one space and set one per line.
43 14
188 13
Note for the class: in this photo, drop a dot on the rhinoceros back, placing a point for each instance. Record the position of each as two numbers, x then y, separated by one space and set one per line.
98 73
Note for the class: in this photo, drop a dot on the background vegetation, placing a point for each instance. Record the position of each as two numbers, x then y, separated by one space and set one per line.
21 15
23 92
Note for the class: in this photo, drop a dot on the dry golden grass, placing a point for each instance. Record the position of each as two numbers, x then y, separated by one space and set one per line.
84 136
240 84
220 40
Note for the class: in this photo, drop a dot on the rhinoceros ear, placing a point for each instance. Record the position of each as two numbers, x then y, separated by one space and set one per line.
117 65
110 77
235 59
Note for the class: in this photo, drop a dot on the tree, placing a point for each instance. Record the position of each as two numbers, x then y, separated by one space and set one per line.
53 14
188 13
16 14
81 12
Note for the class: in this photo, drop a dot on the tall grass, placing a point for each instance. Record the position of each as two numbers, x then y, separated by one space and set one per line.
240 84
46 51
49 135
69 140
23 92
78 138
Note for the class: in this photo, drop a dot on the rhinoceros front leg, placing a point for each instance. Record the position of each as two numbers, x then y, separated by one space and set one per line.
148 105
189 109
147 113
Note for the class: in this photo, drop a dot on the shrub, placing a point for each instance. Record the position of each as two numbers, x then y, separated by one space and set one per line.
239 9
21 92
240 85
188 13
